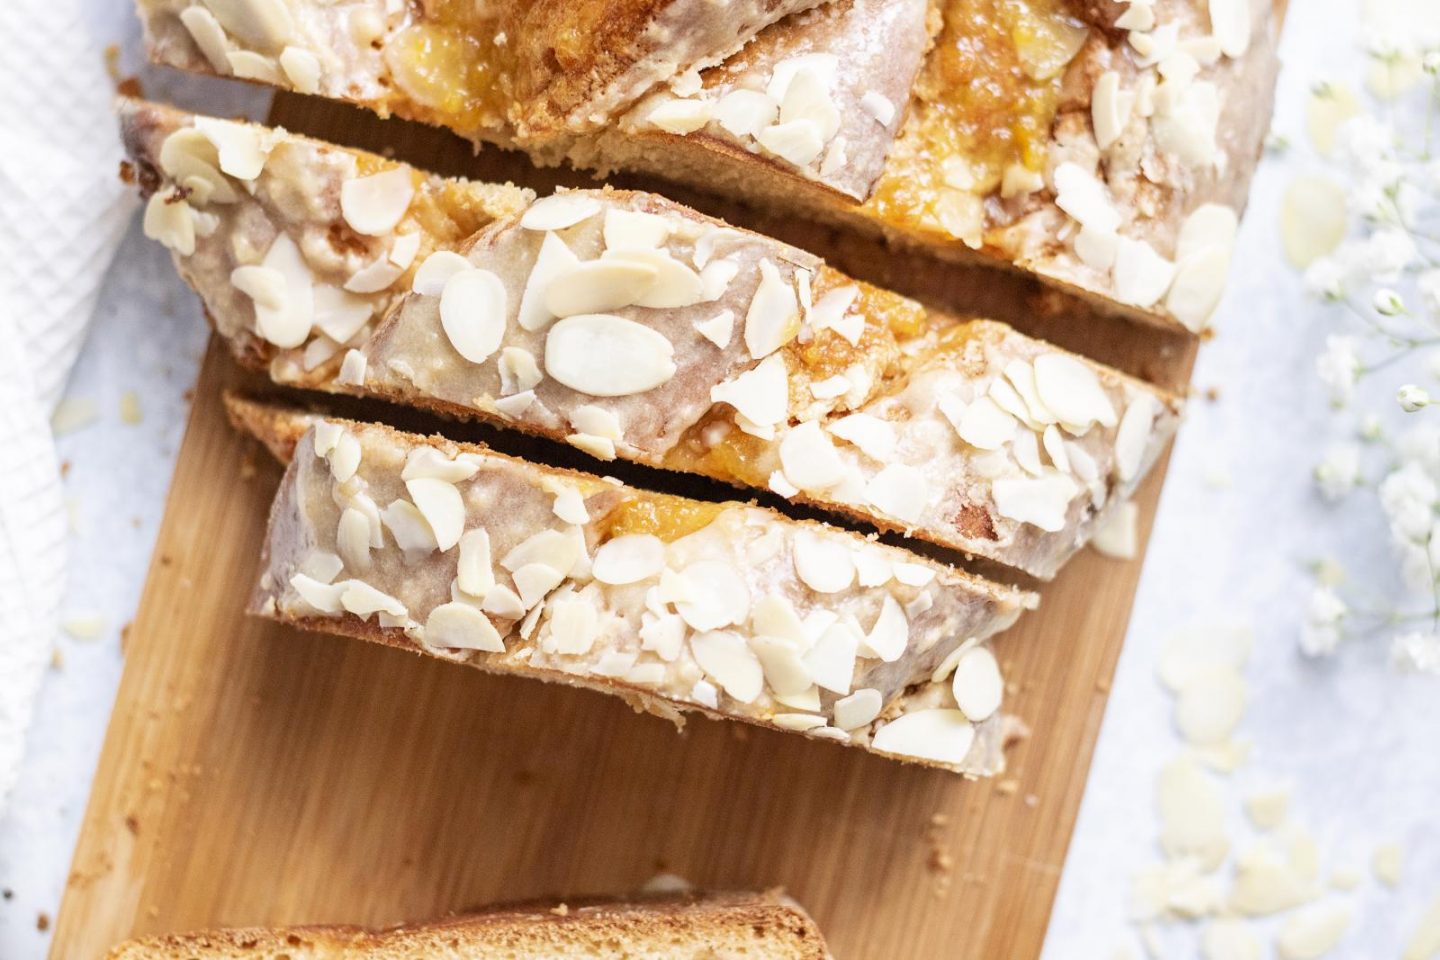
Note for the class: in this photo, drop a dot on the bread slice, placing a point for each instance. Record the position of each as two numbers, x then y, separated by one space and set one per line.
742 359
715 926
674 604
1106 148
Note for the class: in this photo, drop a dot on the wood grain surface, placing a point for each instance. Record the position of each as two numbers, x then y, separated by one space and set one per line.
255 775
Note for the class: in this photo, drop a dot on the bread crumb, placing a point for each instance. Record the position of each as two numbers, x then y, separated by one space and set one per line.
42 921
85 626
563 910
57 659
1007 788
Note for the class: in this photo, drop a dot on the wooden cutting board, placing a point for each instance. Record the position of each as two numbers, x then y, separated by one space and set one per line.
255 775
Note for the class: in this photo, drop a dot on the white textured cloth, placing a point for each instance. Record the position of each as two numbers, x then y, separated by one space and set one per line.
62 212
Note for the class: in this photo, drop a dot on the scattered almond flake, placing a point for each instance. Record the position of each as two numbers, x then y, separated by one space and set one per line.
373 205
798 142
1192 814
984 425
442 507
822 562
830 388
1226 757
978 686
1118 537
715 595
1230 939
786 672
744 113
602 448
559 211
858 709
1110 108
597 286
1267 808
809 458
352 540
728 660
1142 276
1267 883
1043 502
761 394
1313 218
831 659
635 230
409 528
679 116
554 260
773 318
778 484
436 269
302 69
501 601
208 35
242 148
900 491
425 461
1193 648
719 329
596 420
352 369
629 559
890 634
1387 863
608 356
941 735
84 626
363 600
72 414
878 106
1345 878
1313 931
570 505
459 626
519 371
1085 198
1424 943
1210 704
1330 107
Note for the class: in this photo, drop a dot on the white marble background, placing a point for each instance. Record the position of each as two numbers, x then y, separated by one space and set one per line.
1238 523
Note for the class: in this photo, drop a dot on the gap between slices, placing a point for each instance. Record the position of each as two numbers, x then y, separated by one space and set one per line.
676 605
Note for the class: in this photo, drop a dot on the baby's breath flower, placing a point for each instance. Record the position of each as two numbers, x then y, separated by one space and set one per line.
1325 279
1416 652
1388 303
1412 398
1339 367
1372 428
1339 472
1321 632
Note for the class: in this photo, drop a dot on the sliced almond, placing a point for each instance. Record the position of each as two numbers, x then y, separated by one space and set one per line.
629 559
900 491
322 597
555 259
890 635
1142 276
559 211
302 69
242 148
459 626
809 459
875 437
941 735
797 142
831 660
635 230
716 596
1072 390
473 313
807 97
673 286
719 329
440 503
822 562
744 113
858 709
985 426
761 394
1313 931
209 36
352 539
1042 501
436 271
607 356
595 286
1132 440
249 65
375 204
363 600
728 660
784 668
680 116
265 24
879 106
168 220
773 318
474 573
288 326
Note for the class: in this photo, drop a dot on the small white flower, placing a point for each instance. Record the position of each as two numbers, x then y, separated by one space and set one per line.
1364 142
1372 428
1339 472
1416 652
1428 284
1388 303
1325 279
1387 253
1407 496
1412 398
1339 367
1320 634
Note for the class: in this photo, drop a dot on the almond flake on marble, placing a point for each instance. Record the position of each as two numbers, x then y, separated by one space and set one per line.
1117 537
473 313
809 458
760 394
1267 808
373 205
209 36
1211 704
1043 502
242 148
459 626
1133 437
435 270
941 735
607 356
822 562
900 491
594 286
858 709
780 659
474 573
363 600
324 597
719 329
728 660
680 116
1192 814
663 635
559 211
673 286
716 596
1142 276
773 318
875 437
1229 938
744 113
890 635
798 142
1387 864
629 559
1315 930
831 660
410 529
1072 390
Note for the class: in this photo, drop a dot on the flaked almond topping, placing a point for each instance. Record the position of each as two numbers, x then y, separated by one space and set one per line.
716 596
171 221
872 568
1133 437
1198 285
1110 109
744 113
327 434
209 36
635 230
559 211
598 421
602 448
1141 275
249 65
831 661
574 626
673 285
984 425
977 685
780 659
773 318
858 709
352 369
608 356
761 394
264 24
680 116
1043 501
474 574
1026 450
715 278
323 597
459 626
322 565
719 329
824 65
385 269
1210 224
797 142
807 97
913 574
410 529
829 313
352 539
534 581
629 559
1139 15
1055 448
878 106
436 271
890 635
1071 389
1084 197
429 463
728 660
302 69
800 722
264 285
515 405
823 563
550 547
242 148
662 634
189 158
807 699
473 313
598 285
339 314
900 491
834 158
501 601
373 205
519 370
941 735
1020 181
809 459
554 260
1021 376
1230 25
775 616
344 457
363 600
